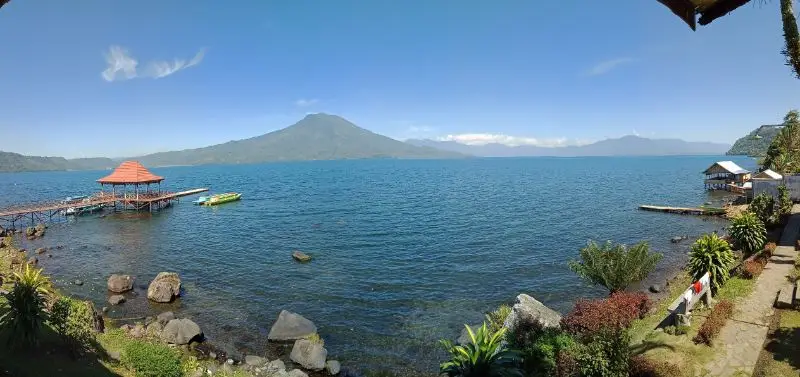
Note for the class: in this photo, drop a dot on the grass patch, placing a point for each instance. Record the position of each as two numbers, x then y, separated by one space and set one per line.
735 289
641 328
780 357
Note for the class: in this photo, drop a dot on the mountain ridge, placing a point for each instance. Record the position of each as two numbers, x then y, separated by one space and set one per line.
625 146
315 137
756 143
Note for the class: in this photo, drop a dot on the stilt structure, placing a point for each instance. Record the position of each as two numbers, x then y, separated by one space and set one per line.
132 173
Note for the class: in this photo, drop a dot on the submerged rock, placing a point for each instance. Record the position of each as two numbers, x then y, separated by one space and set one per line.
164 288
41 250
33 261
333 367
165 317
291 326
528 308
77 282
181 331
116 299
301 256
308 354
254 360
120 283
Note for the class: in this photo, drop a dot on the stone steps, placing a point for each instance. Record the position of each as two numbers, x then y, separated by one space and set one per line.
786 297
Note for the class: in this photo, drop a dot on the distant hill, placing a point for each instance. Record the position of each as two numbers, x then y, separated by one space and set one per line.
624 146
15 162
315 137
755 143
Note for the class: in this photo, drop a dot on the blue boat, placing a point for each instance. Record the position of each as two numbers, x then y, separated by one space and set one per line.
200 200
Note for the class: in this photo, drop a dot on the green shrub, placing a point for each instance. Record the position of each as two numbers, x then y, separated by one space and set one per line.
711 254
484 356
316 339
497 318
540 350
615 267
714 323
785 203
748 232
763 205
26 312
152 360
676 330
73 320
605 354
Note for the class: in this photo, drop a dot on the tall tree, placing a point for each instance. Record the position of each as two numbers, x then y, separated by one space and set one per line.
783 154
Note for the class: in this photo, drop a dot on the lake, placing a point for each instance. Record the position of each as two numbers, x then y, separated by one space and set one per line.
405 251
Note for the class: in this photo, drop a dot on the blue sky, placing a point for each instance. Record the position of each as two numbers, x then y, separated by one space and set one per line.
519 70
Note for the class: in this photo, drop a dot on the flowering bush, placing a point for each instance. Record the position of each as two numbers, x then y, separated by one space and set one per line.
714 323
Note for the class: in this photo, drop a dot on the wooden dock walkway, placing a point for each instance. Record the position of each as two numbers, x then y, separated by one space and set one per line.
46 210
700 211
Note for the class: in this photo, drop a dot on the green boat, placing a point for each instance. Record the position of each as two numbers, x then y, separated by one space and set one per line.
222 198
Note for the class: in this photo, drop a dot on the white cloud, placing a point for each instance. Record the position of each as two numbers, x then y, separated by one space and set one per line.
123 66
608 65
512 141
305 102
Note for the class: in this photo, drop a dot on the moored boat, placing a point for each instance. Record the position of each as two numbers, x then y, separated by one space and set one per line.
200 200
222 198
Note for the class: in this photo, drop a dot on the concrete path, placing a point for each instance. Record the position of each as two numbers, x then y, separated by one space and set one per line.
742 338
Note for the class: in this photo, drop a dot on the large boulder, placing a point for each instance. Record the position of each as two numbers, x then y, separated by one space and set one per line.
308 354
291 326
181 331
296 373
528 308
120 283
165 287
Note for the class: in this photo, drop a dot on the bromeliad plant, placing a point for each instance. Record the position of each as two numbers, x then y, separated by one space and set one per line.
713 255
748 232
26 312
484 356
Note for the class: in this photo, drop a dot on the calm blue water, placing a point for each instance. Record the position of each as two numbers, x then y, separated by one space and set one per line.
405 252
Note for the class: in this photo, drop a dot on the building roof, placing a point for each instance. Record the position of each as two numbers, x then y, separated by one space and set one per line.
725 166
768 174
709 10
130 172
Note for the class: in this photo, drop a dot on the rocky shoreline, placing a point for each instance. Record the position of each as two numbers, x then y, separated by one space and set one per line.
307 356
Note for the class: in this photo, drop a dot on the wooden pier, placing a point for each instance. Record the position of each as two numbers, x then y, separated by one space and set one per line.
45 211
700 211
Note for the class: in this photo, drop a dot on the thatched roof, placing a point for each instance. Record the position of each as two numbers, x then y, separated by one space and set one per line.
709 10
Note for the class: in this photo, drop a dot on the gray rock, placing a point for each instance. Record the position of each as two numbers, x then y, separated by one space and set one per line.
33 261
116 299
181 331
333 367
291 326
297 373
301 256
165 287
114 355
105 309
308 354
655 288
78 282
211 354
464 339
165 317
254 360
154 329
229 361
120 283
138 331
276 366
529 309
41 250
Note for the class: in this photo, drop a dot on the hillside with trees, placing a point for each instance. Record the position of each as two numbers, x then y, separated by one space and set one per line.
756 143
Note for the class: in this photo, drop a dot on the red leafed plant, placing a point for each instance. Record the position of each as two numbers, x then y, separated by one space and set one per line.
615 312
714 323
752 269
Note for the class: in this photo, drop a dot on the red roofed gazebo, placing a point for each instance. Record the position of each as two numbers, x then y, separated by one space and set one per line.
132 173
